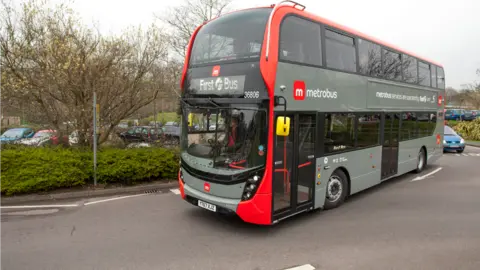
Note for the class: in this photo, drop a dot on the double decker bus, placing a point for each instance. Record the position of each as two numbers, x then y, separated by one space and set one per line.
284 112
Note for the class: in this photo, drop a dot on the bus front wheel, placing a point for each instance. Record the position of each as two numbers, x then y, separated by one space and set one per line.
337 188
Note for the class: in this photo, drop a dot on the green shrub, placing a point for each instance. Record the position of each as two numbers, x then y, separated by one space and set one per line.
30 169
129 166
452 123
469 130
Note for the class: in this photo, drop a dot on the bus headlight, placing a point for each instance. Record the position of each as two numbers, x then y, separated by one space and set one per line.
181 175
251 186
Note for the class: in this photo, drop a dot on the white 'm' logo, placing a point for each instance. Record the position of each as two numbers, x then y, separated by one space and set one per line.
299 92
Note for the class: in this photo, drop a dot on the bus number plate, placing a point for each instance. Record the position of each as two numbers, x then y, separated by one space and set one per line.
207 206
252 94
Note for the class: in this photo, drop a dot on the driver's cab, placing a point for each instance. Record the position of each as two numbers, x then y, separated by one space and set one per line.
226 131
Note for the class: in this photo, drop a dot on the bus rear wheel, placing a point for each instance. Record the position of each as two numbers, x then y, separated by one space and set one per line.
421 161
337 188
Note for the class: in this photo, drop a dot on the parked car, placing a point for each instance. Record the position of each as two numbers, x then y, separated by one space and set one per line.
43 137
476 113
172 130
452 141
141 134
469 115
16 134
454 114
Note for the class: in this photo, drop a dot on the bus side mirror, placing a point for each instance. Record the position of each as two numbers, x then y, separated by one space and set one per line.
190 119
283 126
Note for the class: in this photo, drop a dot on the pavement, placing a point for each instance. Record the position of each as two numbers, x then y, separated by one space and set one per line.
89 193
426 221
473 143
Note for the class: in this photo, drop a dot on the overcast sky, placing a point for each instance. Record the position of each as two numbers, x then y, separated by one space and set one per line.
444 31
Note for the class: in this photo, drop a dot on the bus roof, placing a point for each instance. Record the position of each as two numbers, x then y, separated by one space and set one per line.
344 28
359 34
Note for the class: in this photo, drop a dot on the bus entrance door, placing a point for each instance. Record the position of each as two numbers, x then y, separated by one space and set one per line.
390 145
294 167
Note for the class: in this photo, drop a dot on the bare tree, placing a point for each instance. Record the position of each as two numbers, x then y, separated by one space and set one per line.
390 68
183 19
50 59
473 97
450 94
471 93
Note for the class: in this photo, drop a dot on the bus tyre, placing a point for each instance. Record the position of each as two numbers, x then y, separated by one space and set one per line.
421 161
337 187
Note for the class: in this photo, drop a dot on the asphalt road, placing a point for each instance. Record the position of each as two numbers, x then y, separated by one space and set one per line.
433 223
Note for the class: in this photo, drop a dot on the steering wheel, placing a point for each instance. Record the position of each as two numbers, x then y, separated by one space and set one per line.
215 146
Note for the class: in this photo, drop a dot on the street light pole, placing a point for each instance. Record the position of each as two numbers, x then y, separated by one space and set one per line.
95 139
155 113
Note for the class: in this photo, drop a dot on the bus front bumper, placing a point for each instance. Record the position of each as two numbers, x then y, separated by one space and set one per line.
256 210
197 198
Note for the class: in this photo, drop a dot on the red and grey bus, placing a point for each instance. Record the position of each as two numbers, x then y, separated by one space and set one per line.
284 112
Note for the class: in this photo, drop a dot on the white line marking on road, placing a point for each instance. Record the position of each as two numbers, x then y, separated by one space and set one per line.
302 267
472 154
39 206
117 198
175 191
426 175
457 155
465 155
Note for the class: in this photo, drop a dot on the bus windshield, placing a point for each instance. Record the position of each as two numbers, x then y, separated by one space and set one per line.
232 137
235 36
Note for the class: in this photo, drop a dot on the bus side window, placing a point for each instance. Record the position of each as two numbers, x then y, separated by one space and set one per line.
370 58
300 41
440 78
340 51
339 132
410 73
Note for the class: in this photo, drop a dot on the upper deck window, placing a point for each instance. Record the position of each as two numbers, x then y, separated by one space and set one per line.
370 58
392 65
234 37
300 41
434 76
410 73
423 73
440 78
340 51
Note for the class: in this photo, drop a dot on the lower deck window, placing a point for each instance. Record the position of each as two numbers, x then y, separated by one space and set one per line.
339 132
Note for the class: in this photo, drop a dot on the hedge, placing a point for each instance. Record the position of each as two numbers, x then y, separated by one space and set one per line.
31 170
469 130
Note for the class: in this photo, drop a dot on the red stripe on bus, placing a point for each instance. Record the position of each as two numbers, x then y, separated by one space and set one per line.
304 164
236 167
187 57
180 185
258 210
239 162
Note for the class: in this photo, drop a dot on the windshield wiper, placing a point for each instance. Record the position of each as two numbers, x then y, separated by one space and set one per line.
210 100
